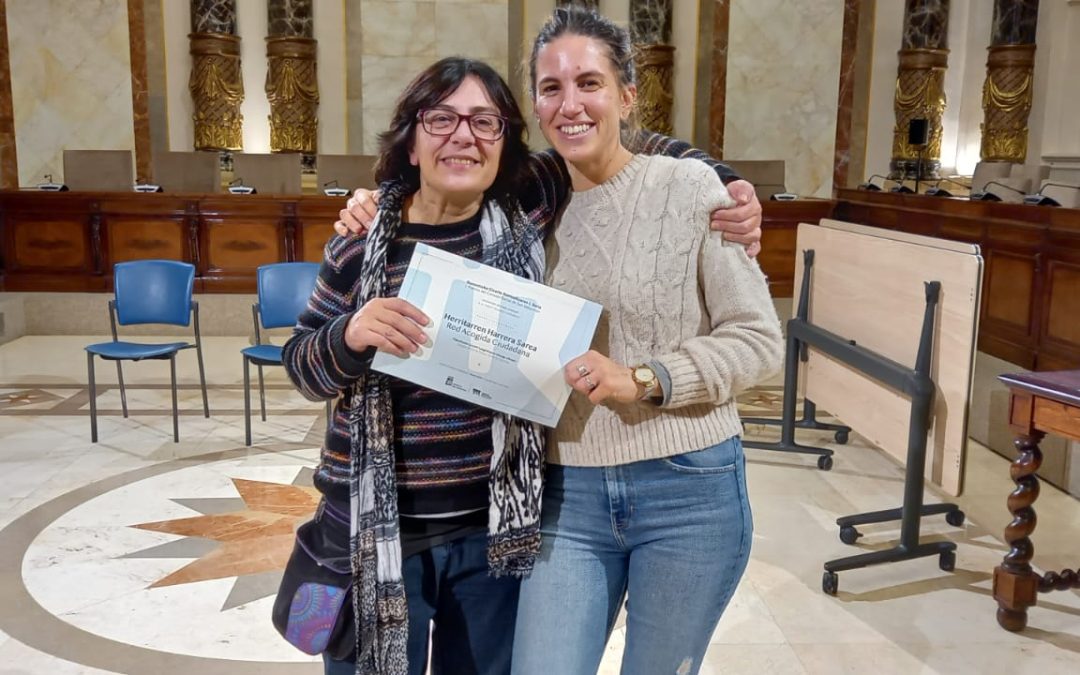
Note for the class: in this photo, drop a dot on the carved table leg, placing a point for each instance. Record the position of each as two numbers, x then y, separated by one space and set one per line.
1015 585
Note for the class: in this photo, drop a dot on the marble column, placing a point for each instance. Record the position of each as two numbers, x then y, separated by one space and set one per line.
217 88
291 83
857 42
650 29
712 71
140 90
920 87
9 162
1009 84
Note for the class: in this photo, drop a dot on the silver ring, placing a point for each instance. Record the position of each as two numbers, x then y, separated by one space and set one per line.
589 383
582 370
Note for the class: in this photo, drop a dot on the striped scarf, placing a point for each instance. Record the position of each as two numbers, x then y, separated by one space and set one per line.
509 243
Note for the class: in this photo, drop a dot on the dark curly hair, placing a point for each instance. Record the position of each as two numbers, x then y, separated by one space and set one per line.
432 86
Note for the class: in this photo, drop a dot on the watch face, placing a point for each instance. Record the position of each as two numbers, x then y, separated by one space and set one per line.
644 375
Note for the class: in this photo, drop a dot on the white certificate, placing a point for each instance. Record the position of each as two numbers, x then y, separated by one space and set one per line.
497 340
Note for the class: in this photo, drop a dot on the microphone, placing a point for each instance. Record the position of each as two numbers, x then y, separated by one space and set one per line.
869 184
900 188
237 187
50 186
985 195
938 191
1039 199
331 189
143 186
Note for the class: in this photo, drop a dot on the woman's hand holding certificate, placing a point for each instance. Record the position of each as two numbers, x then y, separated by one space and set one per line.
496 340
391 325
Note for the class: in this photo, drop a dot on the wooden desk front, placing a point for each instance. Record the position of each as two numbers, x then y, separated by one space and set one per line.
70 241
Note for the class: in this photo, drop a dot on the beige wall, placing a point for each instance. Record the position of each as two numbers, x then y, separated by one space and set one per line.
782 88
70 81
1055 126
402 38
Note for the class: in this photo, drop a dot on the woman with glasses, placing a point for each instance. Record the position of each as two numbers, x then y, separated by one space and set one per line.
407 474
437 500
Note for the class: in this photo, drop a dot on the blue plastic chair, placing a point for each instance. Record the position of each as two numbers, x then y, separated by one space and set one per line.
284 290
148 292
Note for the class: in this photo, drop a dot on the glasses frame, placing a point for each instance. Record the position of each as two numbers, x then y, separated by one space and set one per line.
463 117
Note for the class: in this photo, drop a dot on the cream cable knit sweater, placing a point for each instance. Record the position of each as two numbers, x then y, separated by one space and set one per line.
672 291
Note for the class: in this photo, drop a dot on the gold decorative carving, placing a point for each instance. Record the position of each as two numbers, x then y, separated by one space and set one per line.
655 64
920 94
217 91
293 90
1007 94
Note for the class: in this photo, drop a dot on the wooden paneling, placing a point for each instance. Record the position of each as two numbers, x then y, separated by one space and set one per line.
1032 297
1009 281
780 224
42 245
135 238
314 227
70 241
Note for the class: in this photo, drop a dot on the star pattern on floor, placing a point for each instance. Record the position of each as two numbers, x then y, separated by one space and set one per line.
15 399
249 537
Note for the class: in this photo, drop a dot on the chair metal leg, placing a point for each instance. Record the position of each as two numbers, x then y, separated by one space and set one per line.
123 394
93 397
262 395
247 403
329 412
175 409
202 382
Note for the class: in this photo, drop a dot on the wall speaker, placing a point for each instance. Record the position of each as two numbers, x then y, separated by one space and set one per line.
918 131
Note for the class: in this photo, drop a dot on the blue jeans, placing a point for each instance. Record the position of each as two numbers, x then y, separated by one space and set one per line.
473 612
673 535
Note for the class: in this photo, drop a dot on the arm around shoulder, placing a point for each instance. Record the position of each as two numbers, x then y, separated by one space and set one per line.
745 342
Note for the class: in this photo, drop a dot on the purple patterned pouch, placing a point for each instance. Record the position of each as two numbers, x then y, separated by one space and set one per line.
313 608
313 615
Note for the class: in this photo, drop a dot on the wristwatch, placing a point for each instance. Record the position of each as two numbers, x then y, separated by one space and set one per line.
646 377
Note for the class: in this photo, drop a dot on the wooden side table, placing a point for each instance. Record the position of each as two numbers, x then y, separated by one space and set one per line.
1039 404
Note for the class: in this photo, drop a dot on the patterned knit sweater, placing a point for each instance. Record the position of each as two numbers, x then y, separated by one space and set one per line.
442 446
672 292
322 367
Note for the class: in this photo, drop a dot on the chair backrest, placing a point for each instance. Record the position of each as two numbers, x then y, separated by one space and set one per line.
269 174
1035 173
1069 197
350 171
1020 187
284 291
988 171
187 172
99 170
153 291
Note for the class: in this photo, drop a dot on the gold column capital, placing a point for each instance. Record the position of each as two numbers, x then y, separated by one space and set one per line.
920 94
217 90
1007 96
292 87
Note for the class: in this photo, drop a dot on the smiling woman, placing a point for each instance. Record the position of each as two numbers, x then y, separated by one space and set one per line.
646 486
411 465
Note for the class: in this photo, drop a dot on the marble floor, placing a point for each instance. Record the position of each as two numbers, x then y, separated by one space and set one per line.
140 555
